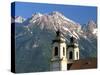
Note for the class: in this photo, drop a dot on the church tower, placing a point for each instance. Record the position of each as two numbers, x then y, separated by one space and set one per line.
58 60
73 50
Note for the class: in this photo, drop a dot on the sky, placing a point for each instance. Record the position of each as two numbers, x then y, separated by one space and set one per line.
79 14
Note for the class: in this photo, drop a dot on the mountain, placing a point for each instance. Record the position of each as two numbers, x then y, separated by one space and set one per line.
91 25
34 39
90 28
17 19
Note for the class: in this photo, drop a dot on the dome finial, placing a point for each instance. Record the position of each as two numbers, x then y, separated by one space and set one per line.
58 33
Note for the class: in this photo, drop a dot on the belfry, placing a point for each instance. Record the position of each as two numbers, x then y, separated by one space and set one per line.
62 54
59 60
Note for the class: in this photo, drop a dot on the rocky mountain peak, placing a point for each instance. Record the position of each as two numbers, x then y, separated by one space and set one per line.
91 26
55 13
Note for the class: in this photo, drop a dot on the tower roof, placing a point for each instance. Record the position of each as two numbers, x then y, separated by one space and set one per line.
73 40
59 37
58 33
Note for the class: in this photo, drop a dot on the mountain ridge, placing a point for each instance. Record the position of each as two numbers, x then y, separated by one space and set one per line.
34 37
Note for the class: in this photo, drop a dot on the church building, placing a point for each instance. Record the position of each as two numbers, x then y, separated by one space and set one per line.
67 56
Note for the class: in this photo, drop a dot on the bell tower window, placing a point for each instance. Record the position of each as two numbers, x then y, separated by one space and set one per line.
70 55
56 51
63 51
77 54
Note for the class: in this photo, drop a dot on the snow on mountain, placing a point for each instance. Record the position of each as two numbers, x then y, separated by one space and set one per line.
91 26
95 31
19 19
74 34
90 29
62 16
52 21
56 20
35 17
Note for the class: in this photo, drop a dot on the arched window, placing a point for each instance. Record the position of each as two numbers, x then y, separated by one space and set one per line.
63 51
77 55
56 51
70 55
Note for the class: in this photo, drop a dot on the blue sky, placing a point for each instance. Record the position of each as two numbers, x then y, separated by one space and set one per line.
80 14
